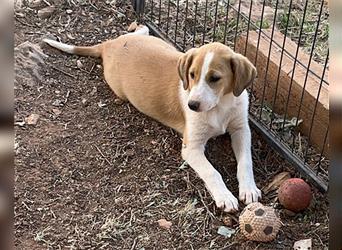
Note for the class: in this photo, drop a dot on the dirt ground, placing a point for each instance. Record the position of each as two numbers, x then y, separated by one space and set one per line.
96 174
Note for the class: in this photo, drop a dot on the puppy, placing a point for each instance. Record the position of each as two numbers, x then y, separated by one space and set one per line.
201 94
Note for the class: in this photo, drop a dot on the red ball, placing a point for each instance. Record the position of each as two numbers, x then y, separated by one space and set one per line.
295 194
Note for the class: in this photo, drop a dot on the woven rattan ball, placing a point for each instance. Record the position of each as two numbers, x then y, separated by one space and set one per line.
259 222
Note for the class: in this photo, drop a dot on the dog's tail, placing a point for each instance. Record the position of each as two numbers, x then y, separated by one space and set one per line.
94 51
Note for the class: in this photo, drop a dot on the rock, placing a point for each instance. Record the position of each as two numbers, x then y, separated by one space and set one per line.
164 223
118 101
32 119
79 64
69 12
303 244
46 12
225 231
227 221
56 111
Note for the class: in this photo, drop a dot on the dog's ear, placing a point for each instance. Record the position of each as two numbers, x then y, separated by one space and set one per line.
244 73
183 66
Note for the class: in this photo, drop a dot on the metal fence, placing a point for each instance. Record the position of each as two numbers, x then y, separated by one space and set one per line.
191 23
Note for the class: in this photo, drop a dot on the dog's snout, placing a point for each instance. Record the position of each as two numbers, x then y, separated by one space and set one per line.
194 105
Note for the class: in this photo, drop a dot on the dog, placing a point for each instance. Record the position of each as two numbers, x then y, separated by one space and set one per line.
200 93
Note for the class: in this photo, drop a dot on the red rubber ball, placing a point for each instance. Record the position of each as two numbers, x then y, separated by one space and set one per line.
295 194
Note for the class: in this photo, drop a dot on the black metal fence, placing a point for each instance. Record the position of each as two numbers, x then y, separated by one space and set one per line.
190 23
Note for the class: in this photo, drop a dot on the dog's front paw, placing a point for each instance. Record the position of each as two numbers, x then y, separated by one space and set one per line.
249 193
225 200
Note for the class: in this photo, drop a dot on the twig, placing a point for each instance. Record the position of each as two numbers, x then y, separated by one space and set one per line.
104 157
208 211
134 244
62 71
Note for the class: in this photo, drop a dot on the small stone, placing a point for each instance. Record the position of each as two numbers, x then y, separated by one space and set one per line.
225 231
46 12
68 11
118 101
164 223
56 111
32 119
79 64
57 103
227 221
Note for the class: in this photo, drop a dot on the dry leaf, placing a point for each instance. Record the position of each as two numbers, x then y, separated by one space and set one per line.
132 27
32 119
277 181
164 223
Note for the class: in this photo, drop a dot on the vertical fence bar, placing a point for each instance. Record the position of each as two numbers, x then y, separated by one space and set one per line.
226 23
168 17
280 63
195 25
294 69
237 24
159 16
152 10
258 44
268 60
308 67
248 24
185 22
215 21
176 28
205 21
316 103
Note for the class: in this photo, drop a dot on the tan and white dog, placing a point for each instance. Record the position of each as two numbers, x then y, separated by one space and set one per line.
201 94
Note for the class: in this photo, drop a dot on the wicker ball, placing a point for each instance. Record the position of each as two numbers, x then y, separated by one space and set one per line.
259 222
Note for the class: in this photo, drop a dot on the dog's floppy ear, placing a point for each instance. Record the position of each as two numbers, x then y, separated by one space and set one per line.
183 66
244 73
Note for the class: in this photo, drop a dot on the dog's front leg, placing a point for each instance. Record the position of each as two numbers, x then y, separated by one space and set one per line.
241 143
194 156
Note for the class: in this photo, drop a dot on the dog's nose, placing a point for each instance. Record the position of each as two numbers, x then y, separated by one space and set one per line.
194 105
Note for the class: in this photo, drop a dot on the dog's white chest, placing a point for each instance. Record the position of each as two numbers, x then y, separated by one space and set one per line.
218 122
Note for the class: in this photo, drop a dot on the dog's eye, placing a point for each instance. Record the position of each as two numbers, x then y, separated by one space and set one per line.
192 75
214 78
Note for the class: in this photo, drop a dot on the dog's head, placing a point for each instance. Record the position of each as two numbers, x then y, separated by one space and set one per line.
212 71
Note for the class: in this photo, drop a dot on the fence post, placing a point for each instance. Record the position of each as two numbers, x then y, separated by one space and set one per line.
139 7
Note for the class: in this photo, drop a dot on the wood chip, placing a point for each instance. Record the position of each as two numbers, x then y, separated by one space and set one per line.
132 27
165 223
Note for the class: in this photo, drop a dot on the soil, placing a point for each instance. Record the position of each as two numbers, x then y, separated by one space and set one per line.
94 173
